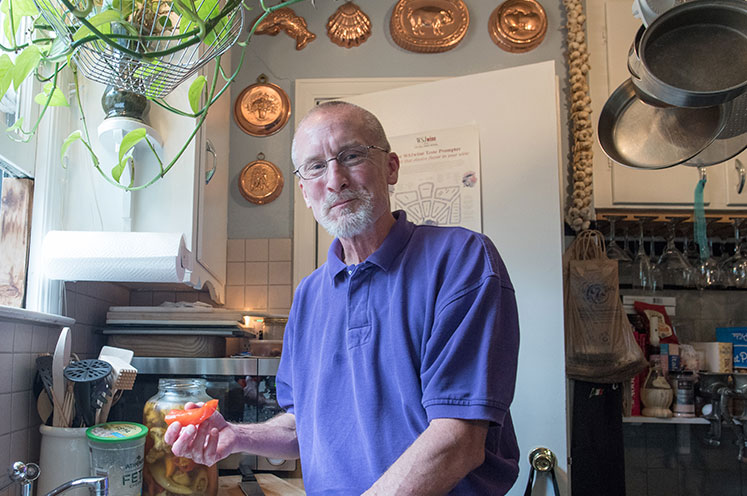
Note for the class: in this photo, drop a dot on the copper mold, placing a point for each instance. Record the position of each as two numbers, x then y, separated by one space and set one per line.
518 26
261 181
429 26
292 24
262 109
349 26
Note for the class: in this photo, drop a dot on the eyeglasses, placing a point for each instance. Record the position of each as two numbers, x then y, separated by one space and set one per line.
348 158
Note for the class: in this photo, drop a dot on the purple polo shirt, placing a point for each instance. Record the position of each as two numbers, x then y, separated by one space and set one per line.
425 328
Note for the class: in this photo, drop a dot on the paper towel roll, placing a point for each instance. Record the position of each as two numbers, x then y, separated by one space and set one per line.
115 256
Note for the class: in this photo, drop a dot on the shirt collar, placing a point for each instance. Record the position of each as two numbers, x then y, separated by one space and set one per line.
384 256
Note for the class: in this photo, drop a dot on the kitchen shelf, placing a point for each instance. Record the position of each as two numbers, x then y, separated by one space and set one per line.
672 420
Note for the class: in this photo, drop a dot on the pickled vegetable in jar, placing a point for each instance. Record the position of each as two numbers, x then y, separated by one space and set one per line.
165 474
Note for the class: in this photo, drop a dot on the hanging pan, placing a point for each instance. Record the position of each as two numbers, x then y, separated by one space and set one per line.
693 55
731 140
636 134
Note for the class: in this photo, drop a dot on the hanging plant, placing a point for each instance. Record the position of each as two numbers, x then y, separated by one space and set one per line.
146 47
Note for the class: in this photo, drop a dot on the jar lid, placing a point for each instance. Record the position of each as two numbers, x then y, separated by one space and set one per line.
114 432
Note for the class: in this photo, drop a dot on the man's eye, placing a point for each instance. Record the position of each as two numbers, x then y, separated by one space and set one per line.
352 156
315 167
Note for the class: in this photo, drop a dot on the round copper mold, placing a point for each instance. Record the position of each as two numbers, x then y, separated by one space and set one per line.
349 26
429 26
260 181
262 109
518 26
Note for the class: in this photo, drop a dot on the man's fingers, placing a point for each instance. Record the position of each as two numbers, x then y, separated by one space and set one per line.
172 432
183 445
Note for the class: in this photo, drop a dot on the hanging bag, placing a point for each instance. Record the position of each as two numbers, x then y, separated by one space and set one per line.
600 345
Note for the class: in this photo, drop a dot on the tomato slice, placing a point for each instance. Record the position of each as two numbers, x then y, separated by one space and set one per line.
195 416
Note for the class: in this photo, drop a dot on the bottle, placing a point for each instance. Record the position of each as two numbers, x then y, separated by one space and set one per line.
683 383
165 474
656 394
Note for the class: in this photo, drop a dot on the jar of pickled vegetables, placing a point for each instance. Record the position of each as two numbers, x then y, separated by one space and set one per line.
165 474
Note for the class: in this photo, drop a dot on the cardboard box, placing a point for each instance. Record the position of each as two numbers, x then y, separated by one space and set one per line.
719 357
738 337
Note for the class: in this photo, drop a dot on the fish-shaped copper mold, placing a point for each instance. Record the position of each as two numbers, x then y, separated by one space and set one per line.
349 26
286 20
429 26
518 26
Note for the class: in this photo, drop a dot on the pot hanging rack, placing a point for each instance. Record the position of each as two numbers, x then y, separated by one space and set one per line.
148 46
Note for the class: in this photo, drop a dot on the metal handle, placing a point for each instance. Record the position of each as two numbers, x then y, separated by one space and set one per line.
22 473
740 169
542 460
211 150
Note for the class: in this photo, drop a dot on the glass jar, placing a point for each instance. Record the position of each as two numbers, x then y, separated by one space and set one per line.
165 474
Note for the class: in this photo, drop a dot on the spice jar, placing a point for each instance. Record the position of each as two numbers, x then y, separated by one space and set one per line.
683 383
165 474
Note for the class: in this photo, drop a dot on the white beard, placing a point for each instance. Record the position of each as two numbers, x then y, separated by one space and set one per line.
351 220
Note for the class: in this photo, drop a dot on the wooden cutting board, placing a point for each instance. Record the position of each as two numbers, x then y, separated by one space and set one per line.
270 484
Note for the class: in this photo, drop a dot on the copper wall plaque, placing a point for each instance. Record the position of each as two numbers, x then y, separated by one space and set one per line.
262 109
429 26
292 24
260 181
348 26
518 25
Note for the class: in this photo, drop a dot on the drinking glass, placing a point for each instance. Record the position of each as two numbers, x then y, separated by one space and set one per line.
735 267
657 275
641 263
676 270
708 272
615 252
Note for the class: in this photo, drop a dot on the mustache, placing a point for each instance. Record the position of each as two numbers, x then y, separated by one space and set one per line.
345 195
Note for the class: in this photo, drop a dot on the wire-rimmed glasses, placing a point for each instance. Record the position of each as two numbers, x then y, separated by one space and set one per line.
347 157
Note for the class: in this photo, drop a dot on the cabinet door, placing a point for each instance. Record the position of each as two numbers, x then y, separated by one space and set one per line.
612 28
212 186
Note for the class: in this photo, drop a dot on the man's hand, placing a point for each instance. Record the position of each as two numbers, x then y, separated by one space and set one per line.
207 443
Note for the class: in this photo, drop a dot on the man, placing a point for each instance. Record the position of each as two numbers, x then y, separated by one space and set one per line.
399 357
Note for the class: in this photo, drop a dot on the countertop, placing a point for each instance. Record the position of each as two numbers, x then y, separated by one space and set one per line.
270 484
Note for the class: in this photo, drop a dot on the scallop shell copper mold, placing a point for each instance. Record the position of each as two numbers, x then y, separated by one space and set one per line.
518 25
349 26
429 26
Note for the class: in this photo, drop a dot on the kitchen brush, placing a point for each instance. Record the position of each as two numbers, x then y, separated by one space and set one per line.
124 376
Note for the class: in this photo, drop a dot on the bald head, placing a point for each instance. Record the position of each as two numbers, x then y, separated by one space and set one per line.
356 115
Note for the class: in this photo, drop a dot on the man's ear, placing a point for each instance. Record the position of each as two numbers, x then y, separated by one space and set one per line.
392 168
306 200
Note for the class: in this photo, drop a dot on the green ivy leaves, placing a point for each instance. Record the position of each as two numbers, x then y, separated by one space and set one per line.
196 90
56 100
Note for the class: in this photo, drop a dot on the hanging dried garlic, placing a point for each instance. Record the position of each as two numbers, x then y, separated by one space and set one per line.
579 212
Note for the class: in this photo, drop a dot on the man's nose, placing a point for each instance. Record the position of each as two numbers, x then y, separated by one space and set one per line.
337 176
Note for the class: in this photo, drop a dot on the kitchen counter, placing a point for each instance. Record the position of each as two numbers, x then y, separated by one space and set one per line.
270 484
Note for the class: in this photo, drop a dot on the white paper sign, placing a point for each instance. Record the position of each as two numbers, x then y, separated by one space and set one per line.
439 177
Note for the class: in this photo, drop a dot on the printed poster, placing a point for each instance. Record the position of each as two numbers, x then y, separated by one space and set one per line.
439 177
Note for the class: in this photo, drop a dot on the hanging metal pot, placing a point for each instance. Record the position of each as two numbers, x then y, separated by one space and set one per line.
693 55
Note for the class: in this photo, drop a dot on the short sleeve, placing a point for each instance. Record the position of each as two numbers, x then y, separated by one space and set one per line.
468 369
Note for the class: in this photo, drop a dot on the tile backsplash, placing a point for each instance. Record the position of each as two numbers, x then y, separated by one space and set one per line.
21 343
259 274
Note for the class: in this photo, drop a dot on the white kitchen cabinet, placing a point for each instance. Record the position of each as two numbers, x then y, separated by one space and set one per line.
192 197
611 29
189 199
